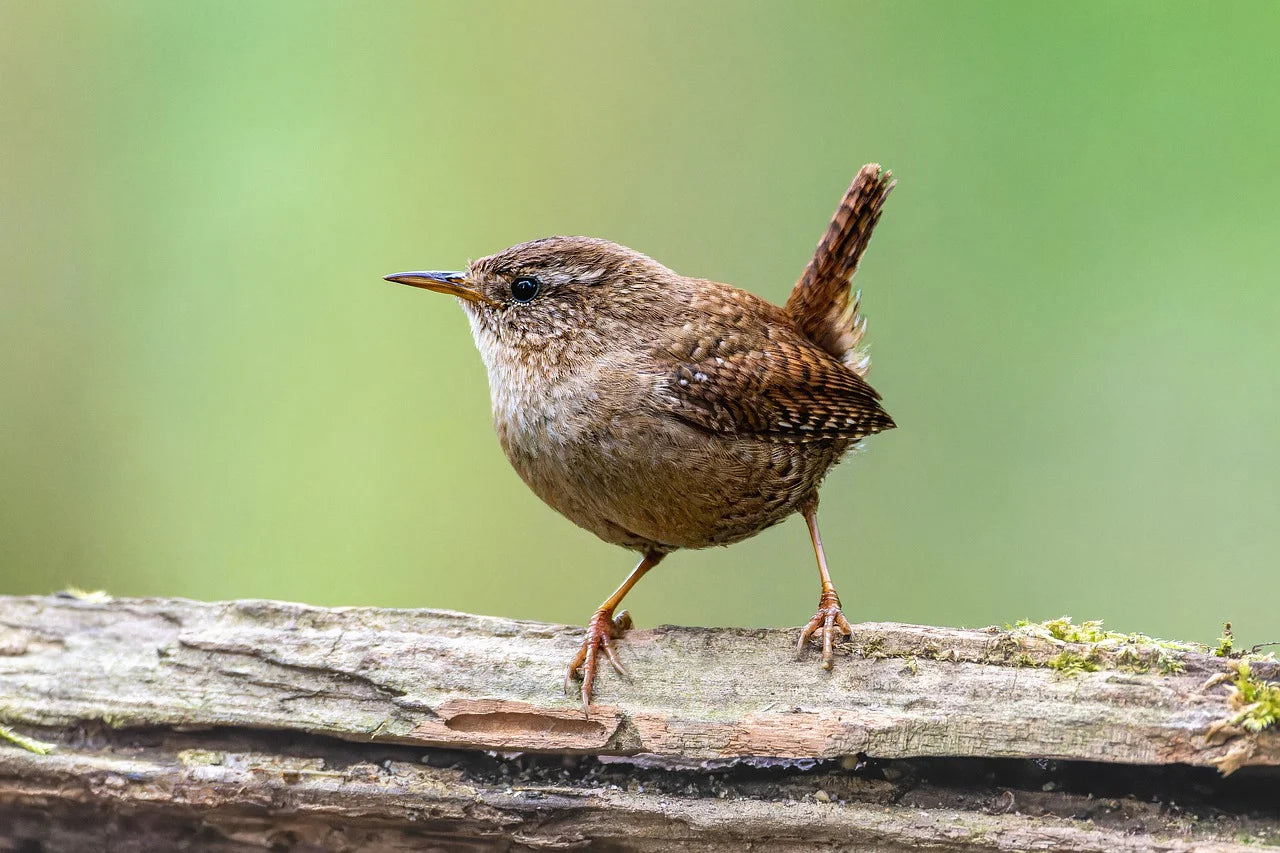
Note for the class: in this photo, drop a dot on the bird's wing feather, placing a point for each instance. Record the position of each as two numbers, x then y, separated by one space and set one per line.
770 383
823 303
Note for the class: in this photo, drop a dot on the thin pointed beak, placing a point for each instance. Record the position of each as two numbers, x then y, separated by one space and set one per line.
452 283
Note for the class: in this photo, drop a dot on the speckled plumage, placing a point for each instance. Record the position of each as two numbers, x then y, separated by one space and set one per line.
662 412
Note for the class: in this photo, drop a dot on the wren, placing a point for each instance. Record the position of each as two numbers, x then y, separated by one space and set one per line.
662 412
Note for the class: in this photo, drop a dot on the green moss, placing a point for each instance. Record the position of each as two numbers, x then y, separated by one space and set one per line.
1226 643
1131 652
932 651
1131 661
1071 663
1170 664
96 596
1257 702
201 757
38 747
874 648
1089 631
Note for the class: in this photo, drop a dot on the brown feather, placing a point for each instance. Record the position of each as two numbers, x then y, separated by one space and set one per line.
749 371
823 303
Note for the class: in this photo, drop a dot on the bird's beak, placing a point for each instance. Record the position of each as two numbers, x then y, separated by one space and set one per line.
452 283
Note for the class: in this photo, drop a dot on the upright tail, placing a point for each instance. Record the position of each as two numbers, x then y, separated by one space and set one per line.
823 303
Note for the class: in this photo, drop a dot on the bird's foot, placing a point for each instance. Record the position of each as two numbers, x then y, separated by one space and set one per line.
602 630
828 622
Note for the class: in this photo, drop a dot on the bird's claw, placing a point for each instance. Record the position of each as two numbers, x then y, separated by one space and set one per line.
829 621
602 630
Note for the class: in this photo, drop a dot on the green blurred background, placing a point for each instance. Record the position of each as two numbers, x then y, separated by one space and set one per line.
207 390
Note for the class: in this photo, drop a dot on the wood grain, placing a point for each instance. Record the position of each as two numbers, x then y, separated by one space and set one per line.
268 714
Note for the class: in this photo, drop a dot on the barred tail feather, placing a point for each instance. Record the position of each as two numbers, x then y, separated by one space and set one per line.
823 303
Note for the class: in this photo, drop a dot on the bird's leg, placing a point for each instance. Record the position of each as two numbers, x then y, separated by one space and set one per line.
603 629
829 619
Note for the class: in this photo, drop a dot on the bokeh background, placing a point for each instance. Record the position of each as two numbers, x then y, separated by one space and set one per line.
207 390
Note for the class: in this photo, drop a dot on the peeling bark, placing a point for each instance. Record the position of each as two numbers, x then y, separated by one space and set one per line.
260 725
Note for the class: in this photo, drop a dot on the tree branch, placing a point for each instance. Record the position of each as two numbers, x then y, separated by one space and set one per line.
265 723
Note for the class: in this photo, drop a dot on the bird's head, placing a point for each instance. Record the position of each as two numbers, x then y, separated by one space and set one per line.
555 296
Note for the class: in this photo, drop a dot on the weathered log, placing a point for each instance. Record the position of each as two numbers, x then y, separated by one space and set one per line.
243 725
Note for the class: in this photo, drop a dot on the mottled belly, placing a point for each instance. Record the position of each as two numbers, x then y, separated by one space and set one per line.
672 485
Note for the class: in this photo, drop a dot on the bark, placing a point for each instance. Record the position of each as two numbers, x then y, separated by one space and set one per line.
258 725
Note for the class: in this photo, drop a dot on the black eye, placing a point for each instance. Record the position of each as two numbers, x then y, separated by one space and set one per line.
525 288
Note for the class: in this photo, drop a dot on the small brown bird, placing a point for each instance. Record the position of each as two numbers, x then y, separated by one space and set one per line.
662 412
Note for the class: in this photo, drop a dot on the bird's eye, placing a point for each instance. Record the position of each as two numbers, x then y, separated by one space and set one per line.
524 289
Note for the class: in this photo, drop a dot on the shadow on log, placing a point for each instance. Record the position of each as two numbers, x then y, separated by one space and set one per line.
261 725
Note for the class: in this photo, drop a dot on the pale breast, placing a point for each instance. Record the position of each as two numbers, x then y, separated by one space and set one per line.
638 477
591 439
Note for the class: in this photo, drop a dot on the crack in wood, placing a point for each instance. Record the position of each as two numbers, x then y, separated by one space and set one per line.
266 725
